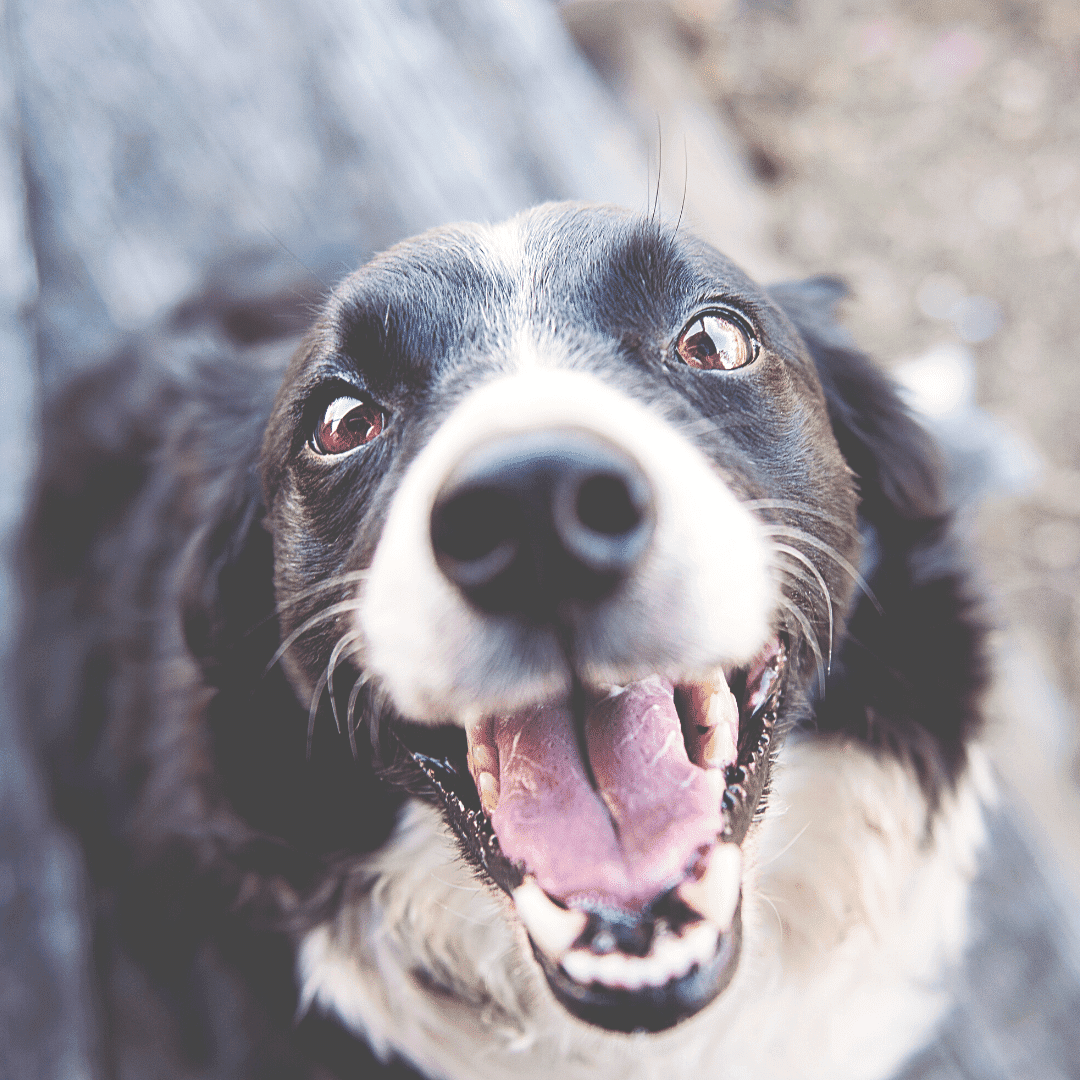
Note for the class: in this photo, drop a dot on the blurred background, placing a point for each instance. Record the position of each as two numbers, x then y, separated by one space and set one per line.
169 166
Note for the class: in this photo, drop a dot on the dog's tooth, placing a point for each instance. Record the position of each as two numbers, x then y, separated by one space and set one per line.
671 958
488 786
554 929
484 760
479 728
482 756
715 894
720 746
723 708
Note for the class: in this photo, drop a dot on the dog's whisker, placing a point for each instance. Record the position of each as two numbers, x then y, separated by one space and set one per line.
799 582
801 508
282 606
343 643
316 697
794 553
808 587
827 549
779 922
327 613
348 578
374 729
808 632
350 712
799 577
462 915
685 183
785 849
474 889
655 215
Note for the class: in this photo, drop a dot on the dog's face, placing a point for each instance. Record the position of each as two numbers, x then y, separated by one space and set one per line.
560 502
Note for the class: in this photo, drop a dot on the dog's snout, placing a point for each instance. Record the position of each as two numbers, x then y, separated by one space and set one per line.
530 521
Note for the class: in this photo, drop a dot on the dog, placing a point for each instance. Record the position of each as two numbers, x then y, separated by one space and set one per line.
563 665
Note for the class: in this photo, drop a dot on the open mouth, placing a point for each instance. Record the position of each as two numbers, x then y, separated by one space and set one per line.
617 831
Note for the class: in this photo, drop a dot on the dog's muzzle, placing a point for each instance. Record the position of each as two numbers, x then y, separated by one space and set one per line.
567 579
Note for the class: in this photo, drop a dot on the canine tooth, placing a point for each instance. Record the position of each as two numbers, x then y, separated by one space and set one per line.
723 707
719 747
482 756
554 929
488 786
715 894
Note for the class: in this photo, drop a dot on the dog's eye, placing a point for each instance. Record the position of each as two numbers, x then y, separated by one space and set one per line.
347 423
715 341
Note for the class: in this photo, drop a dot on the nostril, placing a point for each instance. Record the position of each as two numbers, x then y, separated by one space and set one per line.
475 535
529 521
606 505
604 519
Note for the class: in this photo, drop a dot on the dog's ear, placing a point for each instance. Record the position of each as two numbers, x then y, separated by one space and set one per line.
227 592
910 669
893 458
228 581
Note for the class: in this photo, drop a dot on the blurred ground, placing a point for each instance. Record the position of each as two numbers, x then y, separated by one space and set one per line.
930 154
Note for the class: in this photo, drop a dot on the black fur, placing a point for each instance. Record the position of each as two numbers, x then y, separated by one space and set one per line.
911 672
213 832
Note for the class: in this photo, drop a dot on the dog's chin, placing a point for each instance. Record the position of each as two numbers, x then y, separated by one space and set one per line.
649 1007
631 902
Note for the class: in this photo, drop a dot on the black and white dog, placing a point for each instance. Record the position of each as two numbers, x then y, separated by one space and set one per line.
569 673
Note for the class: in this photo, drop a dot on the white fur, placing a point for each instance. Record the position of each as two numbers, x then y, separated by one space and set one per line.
854 909
685 610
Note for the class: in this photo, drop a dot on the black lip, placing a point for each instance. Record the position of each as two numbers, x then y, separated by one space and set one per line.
746 780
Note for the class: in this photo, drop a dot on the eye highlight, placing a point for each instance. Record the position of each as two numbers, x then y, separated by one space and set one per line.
716 341
347 423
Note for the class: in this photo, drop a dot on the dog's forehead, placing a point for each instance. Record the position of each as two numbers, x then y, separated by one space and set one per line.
555 267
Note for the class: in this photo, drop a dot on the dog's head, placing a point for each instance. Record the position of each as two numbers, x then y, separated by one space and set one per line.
559 515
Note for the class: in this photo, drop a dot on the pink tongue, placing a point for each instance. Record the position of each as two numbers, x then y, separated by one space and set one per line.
552 821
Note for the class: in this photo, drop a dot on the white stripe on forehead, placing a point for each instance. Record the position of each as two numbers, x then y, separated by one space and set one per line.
504 245
503 248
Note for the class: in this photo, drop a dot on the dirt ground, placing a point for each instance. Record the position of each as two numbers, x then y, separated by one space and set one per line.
930 154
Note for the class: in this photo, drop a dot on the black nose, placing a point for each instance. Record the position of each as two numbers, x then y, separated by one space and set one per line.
528 522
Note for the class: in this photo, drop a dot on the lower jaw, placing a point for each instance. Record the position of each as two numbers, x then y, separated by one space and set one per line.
652 1008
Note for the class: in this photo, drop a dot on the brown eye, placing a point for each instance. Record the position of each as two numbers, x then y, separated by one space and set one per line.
347 423
714 341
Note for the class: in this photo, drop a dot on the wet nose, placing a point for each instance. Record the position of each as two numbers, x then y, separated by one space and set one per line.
529 522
